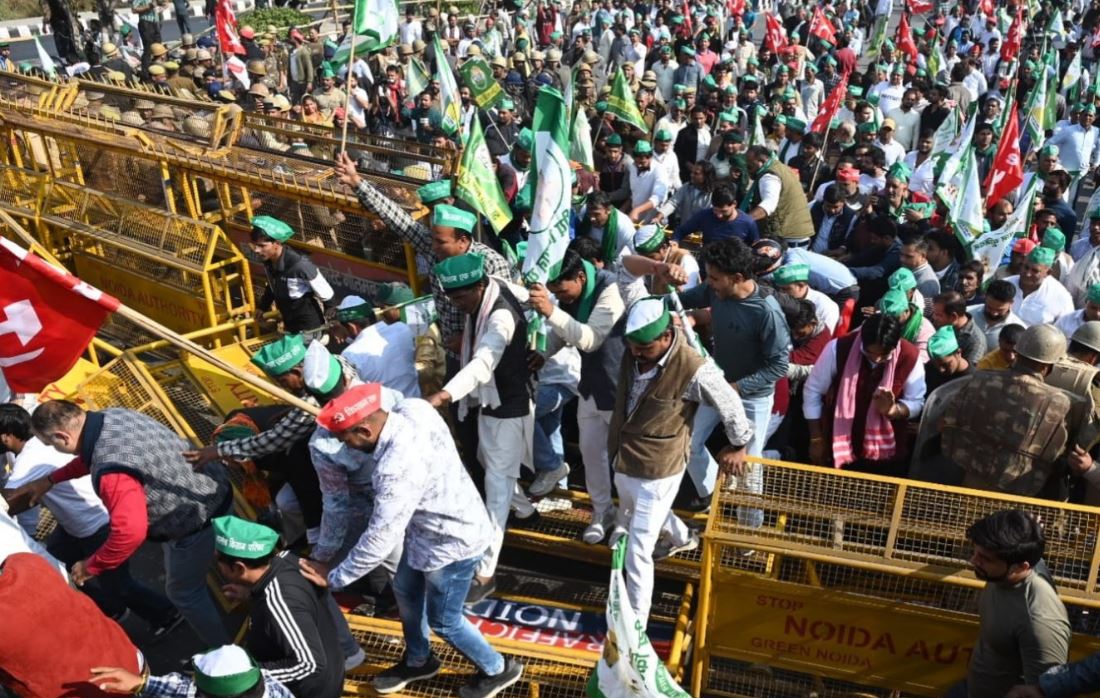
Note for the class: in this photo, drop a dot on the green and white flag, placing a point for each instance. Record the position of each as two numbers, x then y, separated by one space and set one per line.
1037 121
478 76
450 104
374 24
950 182
477 183
48 66
967 214
416 79
937 61
548 235
580 142
990 247
621 103
878 35
629 666
947 132
1056 28
1073 73
419 314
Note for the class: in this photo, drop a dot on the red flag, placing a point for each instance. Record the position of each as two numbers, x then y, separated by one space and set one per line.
1007 172
822 28
736 7
905 38
49 317
919 7
226 21
986 8
831 106
776 36
1010 50
686 11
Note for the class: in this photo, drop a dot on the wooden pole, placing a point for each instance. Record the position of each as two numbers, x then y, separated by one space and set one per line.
176 339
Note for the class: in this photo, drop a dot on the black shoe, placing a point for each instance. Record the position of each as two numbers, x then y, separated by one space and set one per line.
400 675
479 590
696 504
162 630
525 522
482 686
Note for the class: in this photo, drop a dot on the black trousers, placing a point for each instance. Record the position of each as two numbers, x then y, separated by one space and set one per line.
150 34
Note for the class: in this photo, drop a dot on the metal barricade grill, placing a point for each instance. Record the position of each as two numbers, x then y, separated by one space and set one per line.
548 673
729 677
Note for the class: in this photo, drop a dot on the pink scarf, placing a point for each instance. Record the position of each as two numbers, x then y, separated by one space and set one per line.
878 435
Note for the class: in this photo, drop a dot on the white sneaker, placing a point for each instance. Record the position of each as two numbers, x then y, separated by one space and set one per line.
355 660
616 535
547 481
597 530
666 548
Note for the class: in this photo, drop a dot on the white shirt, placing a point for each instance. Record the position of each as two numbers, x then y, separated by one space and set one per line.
825 370
825 309
521 175
1069 324
386 354
770 187
410 32
908 130
423 494
889 96
1077 149
893 151
811 98
13 539
647 186
73 503
669 164
1044 305
923 179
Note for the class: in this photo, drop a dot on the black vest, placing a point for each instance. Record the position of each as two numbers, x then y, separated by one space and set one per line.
299 314
512 377
600 368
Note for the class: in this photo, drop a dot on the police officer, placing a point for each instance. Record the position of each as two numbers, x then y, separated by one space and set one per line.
1078 373
1007 429
294 284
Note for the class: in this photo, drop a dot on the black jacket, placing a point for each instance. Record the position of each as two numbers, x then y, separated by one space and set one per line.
292 635
839 232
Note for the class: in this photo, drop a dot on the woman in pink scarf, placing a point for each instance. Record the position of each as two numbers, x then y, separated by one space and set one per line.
863 389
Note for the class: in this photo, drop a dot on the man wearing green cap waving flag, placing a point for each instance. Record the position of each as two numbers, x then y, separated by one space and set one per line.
494 379
294 284
662 381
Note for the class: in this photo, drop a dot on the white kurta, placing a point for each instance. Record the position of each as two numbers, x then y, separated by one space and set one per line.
1044 305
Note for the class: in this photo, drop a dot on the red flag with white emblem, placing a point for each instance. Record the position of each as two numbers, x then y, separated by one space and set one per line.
1007 172
905 38
822 28
47 318
919 7
1014 41
831 106
226 22
776 36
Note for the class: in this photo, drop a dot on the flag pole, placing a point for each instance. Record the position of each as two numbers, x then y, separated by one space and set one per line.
347 79
175 338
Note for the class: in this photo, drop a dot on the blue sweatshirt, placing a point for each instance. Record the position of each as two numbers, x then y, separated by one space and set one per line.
751 342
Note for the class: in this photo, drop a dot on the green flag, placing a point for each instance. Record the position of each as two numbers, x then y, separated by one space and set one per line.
549 227
416 80
621 103
419 315
947 132
477 182
1036 118
478 76
374 24
580 141
967 215
990 247
450 104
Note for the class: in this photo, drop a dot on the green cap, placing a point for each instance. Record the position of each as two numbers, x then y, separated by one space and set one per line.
233 432
729 117
273 228
1089 108
461 271
1049 151
226 671
894 302
506 104
899 69
902 280
236 537
855 91
680 104
601 107
1054 239
687 51
1094 214
393 294
663 135
791 274
526 139
643 148
649 238
615 139
280 356
435 191
943 343
866 127
328 72
1041 255
1093 295
794 124
900 171
647 320
447 216
354 308
320 371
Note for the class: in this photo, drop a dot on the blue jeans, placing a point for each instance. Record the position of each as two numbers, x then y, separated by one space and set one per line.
186 562
703 469
549 452
434 600
112 590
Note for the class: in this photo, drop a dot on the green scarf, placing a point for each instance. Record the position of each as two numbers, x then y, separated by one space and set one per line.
912 325
609 245
588 295
745 203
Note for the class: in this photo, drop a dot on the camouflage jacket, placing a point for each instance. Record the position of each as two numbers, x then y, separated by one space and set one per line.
1007 431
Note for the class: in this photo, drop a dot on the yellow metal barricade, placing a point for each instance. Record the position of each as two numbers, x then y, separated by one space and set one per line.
868 587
